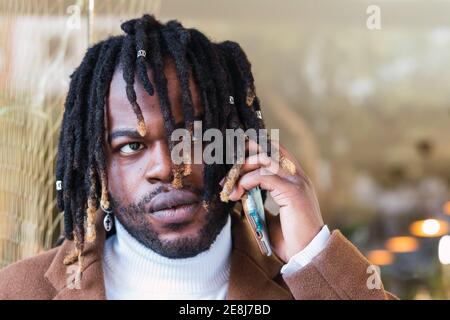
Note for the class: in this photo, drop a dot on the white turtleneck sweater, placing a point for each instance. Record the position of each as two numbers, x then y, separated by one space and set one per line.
133 271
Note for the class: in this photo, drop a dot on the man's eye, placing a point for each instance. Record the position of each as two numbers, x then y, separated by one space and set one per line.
131 147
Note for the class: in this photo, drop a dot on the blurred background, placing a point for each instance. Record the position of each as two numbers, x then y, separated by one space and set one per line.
364 104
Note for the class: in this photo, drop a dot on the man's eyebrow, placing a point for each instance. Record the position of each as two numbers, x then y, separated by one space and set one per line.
131 133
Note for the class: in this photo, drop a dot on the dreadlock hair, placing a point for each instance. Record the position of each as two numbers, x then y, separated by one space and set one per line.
220 70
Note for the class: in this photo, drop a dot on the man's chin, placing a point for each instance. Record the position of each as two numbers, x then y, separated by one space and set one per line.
175 239
178 231
180 240
173 231
178 246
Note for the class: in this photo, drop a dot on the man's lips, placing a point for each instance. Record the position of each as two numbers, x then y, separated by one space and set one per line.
172 200
177 215
174 207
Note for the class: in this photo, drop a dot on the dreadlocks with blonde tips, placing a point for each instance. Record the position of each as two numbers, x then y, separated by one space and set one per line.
220 70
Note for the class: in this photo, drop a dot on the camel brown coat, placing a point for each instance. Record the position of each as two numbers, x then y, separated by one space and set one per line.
339 272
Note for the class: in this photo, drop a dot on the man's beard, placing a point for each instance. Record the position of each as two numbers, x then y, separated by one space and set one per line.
133 218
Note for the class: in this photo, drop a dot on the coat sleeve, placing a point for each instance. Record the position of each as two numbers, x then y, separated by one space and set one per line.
340 271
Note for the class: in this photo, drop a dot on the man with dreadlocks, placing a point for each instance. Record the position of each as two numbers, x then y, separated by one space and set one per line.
139 226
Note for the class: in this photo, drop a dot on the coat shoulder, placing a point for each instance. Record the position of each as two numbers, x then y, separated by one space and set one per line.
25 279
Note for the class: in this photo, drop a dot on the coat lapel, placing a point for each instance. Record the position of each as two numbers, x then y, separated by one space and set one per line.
92 283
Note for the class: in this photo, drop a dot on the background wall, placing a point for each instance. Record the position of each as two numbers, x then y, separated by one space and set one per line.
367 112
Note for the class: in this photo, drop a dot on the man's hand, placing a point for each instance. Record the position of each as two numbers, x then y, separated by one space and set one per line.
300 219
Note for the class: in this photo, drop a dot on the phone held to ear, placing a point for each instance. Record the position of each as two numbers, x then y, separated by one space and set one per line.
253 206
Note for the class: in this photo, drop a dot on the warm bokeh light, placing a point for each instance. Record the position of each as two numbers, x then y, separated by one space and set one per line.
444 250
402 244
380 257
429 228
447 207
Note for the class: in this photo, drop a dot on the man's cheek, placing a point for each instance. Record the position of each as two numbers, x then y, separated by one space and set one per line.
119 181
122 201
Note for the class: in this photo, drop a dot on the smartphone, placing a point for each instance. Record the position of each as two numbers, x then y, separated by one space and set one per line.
253 206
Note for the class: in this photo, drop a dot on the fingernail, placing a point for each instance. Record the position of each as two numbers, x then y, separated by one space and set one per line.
222 182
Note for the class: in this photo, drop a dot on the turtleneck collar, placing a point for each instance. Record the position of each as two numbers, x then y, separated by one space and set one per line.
133 271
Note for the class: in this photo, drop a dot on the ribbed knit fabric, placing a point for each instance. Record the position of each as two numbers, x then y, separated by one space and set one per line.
133 271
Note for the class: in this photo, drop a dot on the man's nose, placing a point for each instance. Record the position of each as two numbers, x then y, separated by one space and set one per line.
159 167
